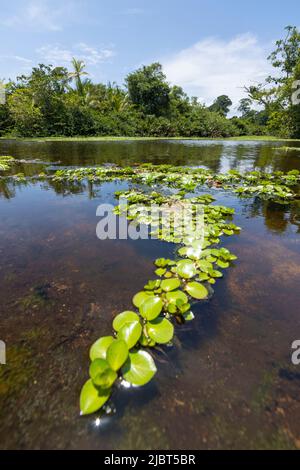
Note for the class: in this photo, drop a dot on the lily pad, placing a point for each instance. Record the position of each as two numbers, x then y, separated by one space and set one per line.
100 347
151 308
160 330
131 333
196 290
170 284
123 318
139 368
92 398
117 354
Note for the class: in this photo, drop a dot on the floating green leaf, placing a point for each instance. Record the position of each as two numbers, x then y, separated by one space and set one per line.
99 348
98 366
101 374
195 249
176 295
196 290
117 354
92 398
188 316
186 269
139 368
123 318
140 297
160 271
160 330
170 284
151 308
222 264
131 333
106 379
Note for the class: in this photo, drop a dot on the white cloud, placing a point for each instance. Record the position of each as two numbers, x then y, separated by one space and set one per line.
58 55
15 65
40 15
213 67
16 58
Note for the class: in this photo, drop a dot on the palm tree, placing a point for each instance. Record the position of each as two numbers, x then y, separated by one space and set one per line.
117 98
76 75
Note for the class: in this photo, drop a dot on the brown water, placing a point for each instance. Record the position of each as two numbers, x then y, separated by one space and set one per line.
227 382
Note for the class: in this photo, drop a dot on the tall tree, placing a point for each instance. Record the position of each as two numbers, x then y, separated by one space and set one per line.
277 91
221 105
148 89
78 72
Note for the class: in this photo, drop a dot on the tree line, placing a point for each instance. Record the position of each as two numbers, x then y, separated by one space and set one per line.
53 101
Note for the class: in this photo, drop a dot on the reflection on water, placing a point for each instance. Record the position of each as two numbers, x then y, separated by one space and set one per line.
227 382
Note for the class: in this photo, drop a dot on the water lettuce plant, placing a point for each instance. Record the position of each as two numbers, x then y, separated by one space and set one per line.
277 186
165 301
6 162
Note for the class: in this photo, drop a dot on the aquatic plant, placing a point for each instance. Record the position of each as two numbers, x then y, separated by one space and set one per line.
165 300
287 149
6 162
278 186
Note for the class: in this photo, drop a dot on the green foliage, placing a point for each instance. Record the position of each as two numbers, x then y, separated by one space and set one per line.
139 368
6 162
92 398
51 101
221 105
149 90
275 95
165 300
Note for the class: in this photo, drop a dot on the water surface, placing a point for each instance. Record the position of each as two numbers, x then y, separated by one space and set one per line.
227 382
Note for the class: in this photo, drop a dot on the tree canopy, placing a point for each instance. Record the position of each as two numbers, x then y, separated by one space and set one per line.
54 101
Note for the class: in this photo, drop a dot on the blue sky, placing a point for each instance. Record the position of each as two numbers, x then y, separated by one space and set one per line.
209 47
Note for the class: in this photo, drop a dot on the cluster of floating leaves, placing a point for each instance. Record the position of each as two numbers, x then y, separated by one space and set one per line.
277 186
165 300
6 162
215 218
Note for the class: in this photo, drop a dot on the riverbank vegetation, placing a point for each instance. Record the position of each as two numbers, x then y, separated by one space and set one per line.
53 101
